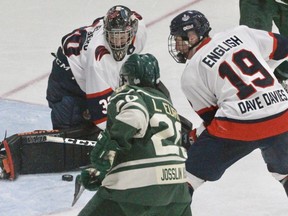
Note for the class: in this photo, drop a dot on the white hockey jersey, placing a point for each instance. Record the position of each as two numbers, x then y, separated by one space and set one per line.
231 85
93 66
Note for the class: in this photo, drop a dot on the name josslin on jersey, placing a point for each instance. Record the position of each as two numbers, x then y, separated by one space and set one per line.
171 174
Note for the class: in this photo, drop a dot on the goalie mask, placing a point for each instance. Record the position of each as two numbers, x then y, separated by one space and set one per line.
185 22
140 70
120 27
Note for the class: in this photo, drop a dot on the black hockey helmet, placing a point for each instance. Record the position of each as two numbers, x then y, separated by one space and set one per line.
140 70
120 27
190 20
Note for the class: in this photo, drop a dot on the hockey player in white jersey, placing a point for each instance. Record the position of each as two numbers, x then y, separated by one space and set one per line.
86 67
84 74
229 82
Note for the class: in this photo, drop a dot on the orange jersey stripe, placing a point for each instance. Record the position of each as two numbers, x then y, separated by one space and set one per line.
249 131
274 45
99 121
95 95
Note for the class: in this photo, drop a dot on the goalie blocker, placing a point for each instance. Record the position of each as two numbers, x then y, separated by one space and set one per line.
30 153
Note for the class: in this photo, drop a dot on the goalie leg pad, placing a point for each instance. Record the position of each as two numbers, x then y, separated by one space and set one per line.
11 159
28 153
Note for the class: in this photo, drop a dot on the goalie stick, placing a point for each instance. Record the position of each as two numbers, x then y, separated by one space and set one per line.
71 141
186 127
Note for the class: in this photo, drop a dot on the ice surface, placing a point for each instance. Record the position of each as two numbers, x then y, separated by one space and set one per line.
32 29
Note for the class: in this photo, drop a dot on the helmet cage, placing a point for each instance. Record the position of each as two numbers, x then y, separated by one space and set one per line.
119 42
120 27
176 55
185 22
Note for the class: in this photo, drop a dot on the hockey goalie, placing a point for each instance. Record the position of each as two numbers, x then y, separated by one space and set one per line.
31 152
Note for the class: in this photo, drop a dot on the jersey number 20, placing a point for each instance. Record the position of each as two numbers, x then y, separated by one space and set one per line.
169 132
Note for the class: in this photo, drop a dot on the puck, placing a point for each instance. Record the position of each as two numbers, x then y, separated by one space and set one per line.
67 177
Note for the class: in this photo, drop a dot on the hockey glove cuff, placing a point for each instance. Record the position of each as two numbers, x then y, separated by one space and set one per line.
189 137
91 179
102 155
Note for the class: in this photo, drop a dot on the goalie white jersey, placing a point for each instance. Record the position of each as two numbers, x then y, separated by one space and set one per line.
230 83
93 65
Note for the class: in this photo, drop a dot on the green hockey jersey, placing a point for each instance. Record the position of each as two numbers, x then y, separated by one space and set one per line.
150 167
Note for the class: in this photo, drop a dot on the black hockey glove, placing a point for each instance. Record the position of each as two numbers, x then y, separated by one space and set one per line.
188 139
186 127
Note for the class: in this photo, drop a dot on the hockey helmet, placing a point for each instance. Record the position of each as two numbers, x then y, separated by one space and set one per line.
190 20
140 70
120 27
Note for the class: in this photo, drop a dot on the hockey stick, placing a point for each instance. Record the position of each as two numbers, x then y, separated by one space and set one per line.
78 194
186 124
70 141
79 189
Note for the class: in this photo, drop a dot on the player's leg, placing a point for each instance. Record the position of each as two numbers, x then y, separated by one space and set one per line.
171 209
256 14
65 98
280 19
275 154
68 112
10 157
101 207
209 157
29 153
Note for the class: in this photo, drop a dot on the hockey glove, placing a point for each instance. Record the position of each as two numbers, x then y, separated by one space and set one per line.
102 155
189 137
186 127
91 179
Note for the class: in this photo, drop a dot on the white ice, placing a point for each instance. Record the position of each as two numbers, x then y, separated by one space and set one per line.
32 29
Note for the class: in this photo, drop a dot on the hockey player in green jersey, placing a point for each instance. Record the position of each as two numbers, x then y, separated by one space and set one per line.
138 160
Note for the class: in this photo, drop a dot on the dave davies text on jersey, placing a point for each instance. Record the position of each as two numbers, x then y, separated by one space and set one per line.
262 101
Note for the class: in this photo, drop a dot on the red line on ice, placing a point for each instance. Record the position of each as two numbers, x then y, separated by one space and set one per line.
38 79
